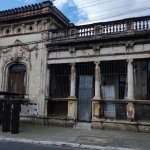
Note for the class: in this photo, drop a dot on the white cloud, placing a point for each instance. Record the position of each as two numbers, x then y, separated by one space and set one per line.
99 8
27 1
60 3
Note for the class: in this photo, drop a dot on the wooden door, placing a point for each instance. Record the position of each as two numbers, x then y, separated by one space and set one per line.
17 79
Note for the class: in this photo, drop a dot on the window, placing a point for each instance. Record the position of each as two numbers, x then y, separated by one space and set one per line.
60 80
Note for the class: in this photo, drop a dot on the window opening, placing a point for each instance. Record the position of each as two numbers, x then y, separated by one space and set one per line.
58 108
141 74
60 81
113 87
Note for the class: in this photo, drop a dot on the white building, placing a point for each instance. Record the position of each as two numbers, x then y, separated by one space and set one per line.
97 73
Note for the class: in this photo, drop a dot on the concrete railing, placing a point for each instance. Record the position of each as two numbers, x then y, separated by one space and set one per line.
112 27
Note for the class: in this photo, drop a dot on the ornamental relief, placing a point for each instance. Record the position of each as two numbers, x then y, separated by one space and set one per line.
36 26
18 53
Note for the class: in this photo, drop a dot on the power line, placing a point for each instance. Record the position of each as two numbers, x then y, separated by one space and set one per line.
83 4
116 14
41 41
104 17
120 7
108 1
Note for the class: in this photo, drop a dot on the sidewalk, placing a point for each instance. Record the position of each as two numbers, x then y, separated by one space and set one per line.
93 139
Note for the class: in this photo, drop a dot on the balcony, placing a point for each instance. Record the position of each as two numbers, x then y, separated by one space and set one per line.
103 30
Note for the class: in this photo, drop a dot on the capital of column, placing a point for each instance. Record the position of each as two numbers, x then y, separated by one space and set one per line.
129 61
72 67
97 64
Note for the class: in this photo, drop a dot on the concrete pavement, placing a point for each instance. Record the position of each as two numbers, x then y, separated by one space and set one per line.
92 139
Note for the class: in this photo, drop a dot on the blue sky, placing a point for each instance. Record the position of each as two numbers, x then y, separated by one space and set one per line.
89 11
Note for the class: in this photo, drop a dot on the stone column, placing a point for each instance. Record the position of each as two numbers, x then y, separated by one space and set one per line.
97 81
130 94
45 108
73 76
47 85
72 98
130 80
96 105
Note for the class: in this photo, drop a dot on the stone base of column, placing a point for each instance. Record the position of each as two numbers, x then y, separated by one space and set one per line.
72 97
130 110
72 109
96 98
130 98
96 110
45 108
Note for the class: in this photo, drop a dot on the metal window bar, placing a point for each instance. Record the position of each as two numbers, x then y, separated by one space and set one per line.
60 80
113 88
58 108
113 109
142 112
113 78
141 74
1 108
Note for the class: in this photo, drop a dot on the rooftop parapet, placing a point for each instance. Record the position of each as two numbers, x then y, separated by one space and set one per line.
32 10
102 29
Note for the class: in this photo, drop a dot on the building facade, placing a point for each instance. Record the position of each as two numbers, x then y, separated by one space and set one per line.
23 55
97 73
101 73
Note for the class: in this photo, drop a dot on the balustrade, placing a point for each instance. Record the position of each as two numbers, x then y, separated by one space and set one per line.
83 31
142 24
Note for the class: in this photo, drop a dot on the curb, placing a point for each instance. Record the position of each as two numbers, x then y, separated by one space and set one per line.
63 144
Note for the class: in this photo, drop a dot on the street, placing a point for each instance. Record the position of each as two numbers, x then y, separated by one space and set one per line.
24 146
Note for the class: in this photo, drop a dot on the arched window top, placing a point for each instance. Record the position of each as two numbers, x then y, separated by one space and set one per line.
17 67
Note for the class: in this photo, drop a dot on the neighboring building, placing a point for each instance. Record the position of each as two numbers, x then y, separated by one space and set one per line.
23 55
96 73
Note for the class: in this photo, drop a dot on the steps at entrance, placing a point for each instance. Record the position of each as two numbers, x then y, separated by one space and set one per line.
82 125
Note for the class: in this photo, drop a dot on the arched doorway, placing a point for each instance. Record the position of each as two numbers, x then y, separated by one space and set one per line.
17 78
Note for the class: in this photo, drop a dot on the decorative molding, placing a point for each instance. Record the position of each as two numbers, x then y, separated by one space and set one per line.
18 52
72 51
129 46
45 35
129 61
96 50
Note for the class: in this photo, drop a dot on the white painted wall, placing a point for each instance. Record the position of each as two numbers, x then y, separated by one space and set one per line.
37 72
106 54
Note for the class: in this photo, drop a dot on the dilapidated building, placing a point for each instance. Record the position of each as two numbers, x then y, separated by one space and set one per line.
97 73
100 72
